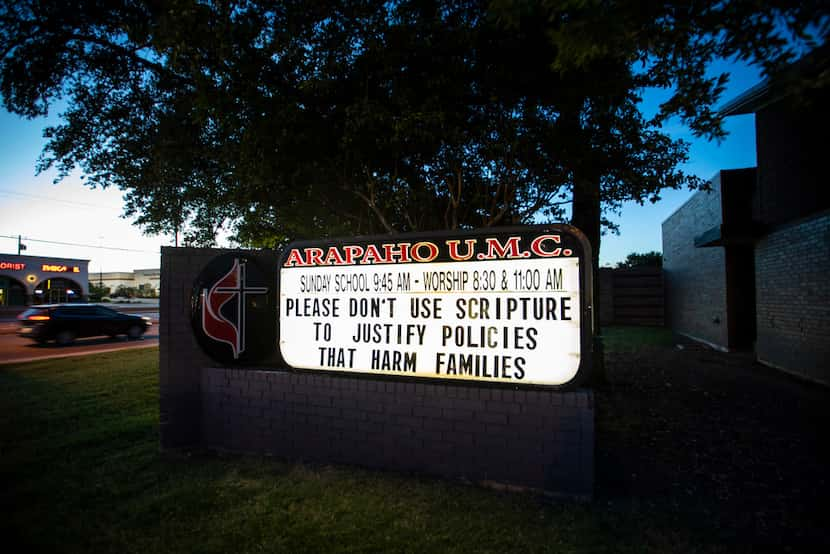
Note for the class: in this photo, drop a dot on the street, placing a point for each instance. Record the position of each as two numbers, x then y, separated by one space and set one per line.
14 349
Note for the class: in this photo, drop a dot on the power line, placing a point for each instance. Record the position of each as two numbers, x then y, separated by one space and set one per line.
49 199
29 239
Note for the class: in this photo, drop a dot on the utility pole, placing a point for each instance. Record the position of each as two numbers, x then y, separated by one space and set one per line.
20 245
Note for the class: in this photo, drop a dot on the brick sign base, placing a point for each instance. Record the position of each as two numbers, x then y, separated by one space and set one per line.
538 439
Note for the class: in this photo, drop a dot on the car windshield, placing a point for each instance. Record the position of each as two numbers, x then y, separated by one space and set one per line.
33 312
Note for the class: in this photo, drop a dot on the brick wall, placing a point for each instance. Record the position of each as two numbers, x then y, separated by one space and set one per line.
180 359
695 278
791 163
792 283
539 439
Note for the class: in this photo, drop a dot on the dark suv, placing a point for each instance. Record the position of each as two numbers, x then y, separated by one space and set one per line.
66 322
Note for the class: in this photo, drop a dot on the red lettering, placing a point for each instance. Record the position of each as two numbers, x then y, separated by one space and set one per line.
402 252
314 256
15 266
333 254
353 252
453 249
497 250
294 259
416 251
372 256
536 246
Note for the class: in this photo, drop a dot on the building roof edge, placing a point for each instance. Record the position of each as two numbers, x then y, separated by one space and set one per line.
749 101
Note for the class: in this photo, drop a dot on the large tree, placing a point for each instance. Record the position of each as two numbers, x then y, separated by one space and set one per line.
619 155
292 119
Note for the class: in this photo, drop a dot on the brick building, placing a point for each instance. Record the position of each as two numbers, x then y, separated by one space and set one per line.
146 281
747 262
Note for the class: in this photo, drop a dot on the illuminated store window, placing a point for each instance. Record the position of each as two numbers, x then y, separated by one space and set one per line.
58 291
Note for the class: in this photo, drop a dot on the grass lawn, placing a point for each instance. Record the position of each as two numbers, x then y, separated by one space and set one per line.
627 339
82 472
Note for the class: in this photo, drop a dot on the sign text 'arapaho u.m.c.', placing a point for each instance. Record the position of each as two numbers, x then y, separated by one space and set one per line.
509 306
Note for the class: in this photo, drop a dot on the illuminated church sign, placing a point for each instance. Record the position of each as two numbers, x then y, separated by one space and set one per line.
507 306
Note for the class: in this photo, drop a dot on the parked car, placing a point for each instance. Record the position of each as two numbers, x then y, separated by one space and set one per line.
63 323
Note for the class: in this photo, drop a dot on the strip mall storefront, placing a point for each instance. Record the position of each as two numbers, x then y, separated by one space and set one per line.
26 280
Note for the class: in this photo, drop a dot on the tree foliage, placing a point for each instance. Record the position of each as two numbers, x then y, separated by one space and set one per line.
286 119
97 293
124 291
644 259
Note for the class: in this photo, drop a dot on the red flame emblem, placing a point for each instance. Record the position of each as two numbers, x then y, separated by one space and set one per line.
230 287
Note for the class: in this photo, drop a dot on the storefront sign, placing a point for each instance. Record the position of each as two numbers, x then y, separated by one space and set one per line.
55 268
509 306
13 266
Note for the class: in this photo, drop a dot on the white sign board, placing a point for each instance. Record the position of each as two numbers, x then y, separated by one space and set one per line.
500 308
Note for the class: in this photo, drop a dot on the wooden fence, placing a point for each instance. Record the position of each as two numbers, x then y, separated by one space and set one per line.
632 296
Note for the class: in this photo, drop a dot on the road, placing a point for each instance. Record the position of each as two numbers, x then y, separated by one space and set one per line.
14 349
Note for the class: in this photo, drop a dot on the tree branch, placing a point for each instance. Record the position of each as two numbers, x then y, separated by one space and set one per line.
451 213
128 53
370 201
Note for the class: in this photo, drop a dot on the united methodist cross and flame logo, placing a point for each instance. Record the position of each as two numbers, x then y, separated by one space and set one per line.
230 288
231 310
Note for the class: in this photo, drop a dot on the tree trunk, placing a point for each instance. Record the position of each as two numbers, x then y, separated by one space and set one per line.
587 215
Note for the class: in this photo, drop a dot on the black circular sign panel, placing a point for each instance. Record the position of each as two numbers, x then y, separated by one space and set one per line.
233 311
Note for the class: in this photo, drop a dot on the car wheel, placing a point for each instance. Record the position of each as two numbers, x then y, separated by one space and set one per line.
65 337
135 332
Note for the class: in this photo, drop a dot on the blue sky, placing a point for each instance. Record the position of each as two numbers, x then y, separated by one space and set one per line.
640 226
70 212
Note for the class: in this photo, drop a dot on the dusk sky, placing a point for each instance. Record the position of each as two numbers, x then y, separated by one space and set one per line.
70 212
